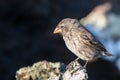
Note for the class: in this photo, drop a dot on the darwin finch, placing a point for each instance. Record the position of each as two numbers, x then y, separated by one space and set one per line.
79 40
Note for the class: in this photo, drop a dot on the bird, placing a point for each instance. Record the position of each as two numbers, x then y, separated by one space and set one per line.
80 41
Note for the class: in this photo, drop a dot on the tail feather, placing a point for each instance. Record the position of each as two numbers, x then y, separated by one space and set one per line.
108 54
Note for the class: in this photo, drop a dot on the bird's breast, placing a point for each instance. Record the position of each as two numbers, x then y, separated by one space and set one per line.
73 44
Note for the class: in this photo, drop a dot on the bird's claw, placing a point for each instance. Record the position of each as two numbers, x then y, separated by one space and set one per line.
70 65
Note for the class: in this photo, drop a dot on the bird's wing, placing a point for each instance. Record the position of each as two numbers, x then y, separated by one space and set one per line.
89 39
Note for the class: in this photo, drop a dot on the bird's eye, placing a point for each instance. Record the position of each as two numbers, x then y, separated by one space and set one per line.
61 26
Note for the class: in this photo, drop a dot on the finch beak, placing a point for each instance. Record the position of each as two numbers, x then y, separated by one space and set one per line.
57 30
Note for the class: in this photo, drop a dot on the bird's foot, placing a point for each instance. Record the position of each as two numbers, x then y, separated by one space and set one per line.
85 64
74 66
72 63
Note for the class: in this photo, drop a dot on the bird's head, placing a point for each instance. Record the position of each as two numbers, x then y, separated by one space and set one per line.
66 25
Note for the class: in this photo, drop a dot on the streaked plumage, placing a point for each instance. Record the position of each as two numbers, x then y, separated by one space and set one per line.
79 40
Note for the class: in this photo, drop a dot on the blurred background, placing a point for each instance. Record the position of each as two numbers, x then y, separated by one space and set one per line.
26 34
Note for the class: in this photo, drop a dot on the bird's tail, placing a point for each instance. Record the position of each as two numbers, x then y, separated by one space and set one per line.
108 54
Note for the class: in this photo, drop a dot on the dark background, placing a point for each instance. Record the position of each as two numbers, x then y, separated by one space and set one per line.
26 35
